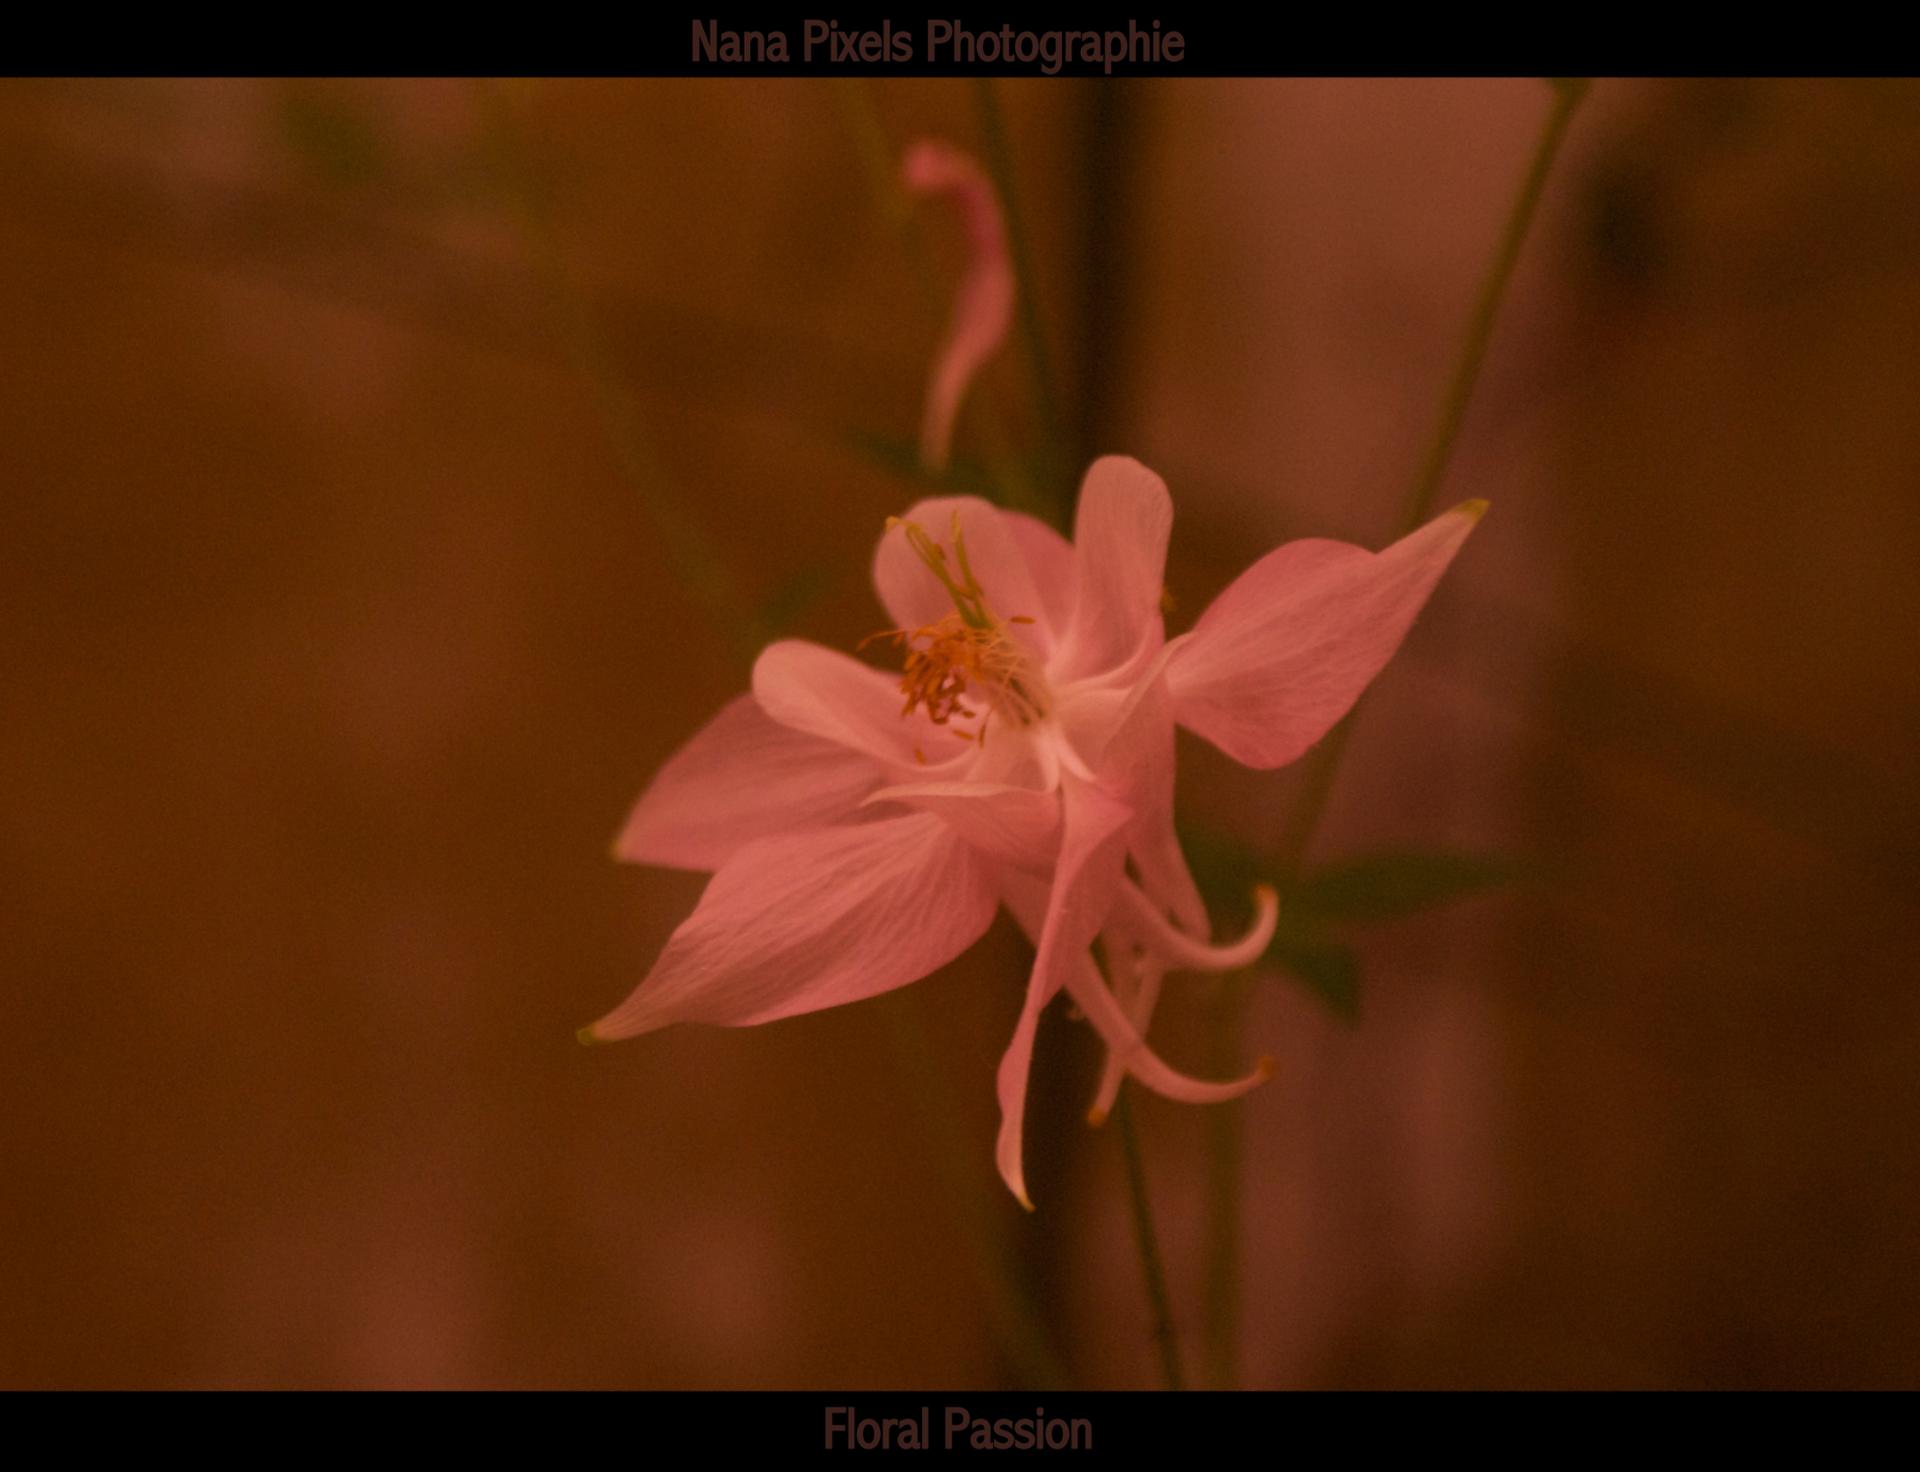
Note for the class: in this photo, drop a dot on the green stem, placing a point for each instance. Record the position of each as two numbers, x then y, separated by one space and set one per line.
1226 1143
1159 1303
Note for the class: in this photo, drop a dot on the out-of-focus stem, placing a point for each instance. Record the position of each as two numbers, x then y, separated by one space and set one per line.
1323 763
1567 94
1018 1325
993 126
1159 1303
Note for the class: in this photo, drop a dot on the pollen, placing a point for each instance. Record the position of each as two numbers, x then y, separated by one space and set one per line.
964 666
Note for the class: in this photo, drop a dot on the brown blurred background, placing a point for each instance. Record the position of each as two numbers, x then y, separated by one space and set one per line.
338 631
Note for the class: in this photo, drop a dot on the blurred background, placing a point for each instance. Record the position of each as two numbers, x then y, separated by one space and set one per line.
379 463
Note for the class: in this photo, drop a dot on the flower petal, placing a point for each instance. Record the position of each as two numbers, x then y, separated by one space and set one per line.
1175 948
1145 764
1052 564
822 692
1136 985
1285 651
997 551
811 920
1120 543
1010 825
1092 853
1109 1019
743 776
1138 962
983 306
1136 763
1125 1041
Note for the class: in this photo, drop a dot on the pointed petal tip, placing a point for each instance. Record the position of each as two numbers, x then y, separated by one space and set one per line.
1025 1201
1096 1117
588 1038
1473 510
1265 1067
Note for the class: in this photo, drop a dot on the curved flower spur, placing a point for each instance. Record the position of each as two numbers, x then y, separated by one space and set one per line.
862 828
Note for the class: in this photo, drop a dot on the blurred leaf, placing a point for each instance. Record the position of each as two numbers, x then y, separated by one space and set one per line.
1387 886
1330 970
1374 887
1225 869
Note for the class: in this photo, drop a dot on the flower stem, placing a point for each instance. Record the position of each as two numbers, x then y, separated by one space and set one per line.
1567 93
1226 1142
1151 1268
1226 1156
993 125
1020 1329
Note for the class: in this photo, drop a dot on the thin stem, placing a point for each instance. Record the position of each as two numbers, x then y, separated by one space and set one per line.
1151 1269
1018 1325
993 126
1221 1307
1567 93
1226 1142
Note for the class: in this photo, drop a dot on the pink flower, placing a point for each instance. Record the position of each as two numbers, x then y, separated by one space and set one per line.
863 828
983 307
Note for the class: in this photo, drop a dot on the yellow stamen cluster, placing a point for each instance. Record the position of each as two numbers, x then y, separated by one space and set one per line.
968 650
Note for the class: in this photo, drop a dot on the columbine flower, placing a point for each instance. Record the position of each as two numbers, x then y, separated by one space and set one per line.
863 828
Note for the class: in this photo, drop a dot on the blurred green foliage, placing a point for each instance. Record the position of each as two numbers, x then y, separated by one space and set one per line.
1321 907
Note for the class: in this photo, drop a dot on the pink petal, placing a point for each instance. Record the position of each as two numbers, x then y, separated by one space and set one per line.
822 692
1126 1044
1285 651
811 920
743 776
1110 1020
1138 961
1143 765
1120 544
1092 852
1088 876
1019 826
1053 566
1138 767
1136 985
983 306
997 551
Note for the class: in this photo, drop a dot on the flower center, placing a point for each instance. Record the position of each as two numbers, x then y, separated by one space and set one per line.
967 654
